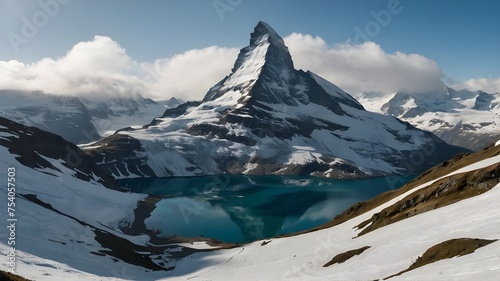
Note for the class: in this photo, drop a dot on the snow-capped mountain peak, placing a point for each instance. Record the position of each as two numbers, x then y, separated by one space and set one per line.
266 117
263 29
277 54
266 59
264 75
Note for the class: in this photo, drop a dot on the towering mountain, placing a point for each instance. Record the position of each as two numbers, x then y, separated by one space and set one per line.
264 83
76 223
266 117
463 118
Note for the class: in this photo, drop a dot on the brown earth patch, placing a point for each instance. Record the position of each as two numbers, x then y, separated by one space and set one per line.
342 257
447 250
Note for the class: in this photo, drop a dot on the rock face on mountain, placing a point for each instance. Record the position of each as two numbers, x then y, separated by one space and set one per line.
463 118
266 117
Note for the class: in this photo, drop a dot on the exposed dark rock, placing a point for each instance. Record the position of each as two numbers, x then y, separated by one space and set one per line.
342 257
7 276
180 109
118 155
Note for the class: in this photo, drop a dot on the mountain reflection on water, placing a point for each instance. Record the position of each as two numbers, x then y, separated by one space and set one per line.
240 208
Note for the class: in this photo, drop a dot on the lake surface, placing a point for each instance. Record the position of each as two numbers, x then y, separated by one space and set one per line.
237 208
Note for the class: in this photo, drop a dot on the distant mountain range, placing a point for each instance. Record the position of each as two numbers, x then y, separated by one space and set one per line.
469 119
80 119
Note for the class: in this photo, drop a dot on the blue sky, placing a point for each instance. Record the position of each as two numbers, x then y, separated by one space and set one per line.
462 37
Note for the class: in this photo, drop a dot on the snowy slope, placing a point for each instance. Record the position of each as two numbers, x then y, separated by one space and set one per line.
266 117
53 247
464 118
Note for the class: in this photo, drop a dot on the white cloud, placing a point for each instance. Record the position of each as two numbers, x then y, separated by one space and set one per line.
189 75
95 68
101 67
489 85
365 67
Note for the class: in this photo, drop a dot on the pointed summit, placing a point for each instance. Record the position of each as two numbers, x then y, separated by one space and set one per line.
264 74
266 48
276 51
263 29
266 58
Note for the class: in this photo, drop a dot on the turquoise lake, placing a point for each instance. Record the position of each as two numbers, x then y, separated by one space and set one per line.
237 208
